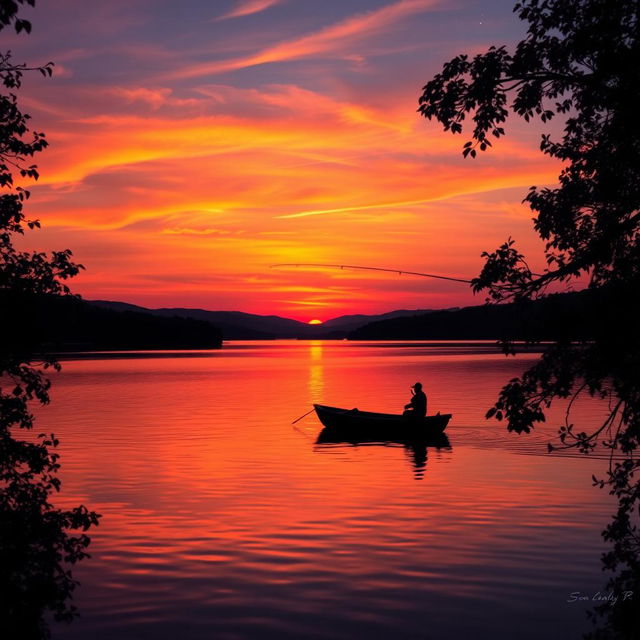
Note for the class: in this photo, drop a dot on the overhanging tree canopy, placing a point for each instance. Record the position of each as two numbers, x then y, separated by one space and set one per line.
579 63
36 540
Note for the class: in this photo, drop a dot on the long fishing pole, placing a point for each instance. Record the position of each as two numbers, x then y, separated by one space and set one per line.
354 266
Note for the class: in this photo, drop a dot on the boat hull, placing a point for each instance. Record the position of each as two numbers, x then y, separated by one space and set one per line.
378 426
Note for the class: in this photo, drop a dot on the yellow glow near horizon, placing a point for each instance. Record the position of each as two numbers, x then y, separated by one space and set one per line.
315 321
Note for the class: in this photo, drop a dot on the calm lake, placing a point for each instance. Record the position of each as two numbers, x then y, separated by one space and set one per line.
222 520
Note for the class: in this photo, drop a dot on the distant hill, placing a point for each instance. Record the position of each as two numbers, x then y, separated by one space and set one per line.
65 323
569 315
237 325
352 322
234 325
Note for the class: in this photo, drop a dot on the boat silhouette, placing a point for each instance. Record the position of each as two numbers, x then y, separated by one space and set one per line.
353 425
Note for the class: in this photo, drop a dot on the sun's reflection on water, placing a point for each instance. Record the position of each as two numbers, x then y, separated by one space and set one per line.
316 371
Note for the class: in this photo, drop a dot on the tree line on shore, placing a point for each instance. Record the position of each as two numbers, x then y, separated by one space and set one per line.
66 323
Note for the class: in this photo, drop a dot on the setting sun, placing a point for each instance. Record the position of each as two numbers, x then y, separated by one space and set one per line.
315 321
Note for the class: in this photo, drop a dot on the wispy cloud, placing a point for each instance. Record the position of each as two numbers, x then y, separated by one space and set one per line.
329 41
248 7
366 207
186 231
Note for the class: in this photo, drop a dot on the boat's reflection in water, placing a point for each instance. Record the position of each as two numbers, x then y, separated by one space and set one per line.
416 449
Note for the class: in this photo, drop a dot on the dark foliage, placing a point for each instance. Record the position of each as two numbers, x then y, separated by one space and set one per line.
579 63
36 543
9 15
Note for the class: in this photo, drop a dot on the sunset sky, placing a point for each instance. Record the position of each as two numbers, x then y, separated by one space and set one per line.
195 143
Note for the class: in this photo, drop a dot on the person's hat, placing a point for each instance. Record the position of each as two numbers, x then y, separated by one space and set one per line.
417 385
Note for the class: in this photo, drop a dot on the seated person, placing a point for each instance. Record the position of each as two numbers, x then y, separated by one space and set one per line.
417 408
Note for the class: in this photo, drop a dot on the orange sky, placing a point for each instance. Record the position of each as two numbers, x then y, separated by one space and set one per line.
193 146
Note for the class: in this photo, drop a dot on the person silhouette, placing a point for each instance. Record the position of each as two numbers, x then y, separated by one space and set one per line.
417 407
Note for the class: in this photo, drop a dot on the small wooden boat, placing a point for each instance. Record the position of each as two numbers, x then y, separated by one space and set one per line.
380 426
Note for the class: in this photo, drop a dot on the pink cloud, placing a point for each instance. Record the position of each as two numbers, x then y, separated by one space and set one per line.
155 98
329 41
249 7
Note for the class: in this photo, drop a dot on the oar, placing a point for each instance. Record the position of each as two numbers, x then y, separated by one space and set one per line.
304 416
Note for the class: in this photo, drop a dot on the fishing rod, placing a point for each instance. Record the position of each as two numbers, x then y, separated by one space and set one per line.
355 266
